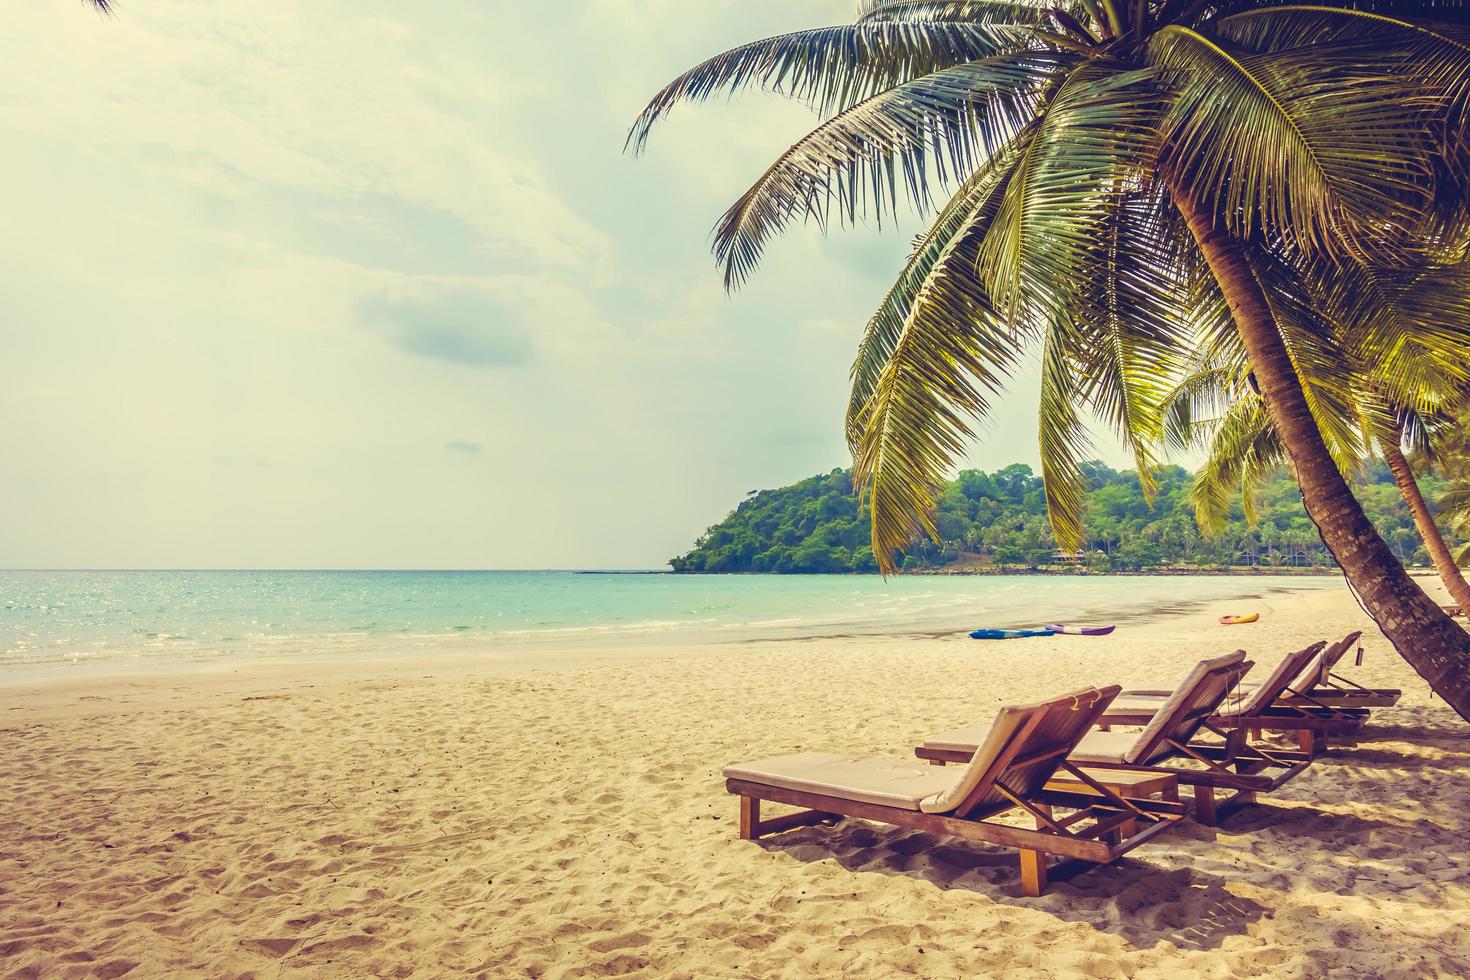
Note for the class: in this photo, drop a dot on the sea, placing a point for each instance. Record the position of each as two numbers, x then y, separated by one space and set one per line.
59 623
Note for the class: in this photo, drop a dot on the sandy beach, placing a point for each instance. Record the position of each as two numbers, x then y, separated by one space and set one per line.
566 817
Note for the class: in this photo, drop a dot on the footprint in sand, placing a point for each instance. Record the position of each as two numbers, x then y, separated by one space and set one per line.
277 946
630 940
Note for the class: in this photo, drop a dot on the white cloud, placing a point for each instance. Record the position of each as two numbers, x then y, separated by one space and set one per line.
271 268
308 98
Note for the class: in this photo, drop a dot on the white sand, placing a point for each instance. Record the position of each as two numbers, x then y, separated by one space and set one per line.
441 817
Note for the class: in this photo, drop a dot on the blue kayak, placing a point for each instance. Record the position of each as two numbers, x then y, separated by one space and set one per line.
1008 634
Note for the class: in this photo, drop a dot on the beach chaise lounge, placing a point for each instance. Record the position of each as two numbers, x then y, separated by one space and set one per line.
1319 685
1315 688
1167 744
1014 760
1271 706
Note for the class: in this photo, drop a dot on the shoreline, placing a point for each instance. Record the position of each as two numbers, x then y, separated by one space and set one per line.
555 649
1070 571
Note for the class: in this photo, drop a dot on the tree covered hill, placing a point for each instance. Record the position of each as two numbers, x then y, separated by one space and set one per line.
998 520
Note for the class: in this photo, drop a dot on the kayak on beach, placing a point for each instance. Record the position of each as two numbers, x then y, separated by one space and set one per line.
1232 620
1008 634
1081 630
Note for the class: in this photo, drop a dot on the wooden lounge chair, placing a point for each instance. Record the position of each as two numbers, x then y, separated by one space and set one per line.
1167 744
1316 688
1271 706
1320 686
1016 757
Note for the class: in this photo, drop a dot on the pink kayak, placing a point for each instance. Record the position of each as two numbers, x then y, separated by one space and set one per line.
1080 630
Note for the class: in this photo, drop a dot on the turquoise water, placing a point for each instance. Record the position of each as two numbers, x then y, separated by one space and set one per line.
53 623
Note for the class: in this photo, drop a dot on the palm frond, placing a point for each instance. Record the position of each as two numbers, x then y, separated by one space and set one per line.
1383 423
1195 407
1433 56
1417 437
924 131
1323 145
1243 452
1437 54
1454 503
1211 319
957 11
1129 302
1409 327
834 67
1062 437
1397 336
1437 11
969 206
1097 134
939 365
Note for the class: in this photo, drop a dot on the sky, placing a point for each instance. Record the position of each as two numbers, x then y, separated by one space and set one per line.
319 284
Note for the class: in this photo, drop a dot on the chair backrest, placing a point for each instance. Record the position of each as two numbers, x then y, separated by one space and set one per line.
1321 676
1025 746
1319 669
1192 703
1290 667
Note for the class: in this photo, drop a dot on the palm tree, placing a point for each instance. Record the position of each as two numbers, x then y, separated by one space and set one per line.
1393 400
1109 167
1454 504
1434 543
1452 457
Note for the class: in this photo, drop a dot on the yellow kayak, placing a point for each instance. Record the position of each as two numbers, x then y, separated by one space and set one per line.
1232 620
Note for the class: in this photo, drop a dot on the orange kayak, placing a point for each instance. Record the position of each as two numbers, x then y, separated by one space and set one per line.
1232 620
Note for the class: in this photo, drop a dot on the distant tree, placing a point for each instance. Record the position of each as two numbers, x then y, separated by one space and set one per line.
816 526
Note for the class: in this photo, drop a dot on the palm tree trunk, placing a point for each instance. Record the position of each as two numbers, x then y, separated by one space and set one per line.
1417 627
1434 543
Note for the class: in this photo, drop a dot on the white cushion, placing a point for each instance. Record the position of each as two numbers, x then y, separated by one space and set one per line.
1000 733
1101 746
1260 696
889 782
1318 670
959 740
886 782
1137 704
1312 675
1164 718
1095 746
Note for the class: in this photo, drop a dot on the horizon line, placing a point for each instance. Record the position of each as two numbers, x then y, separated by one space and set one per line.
84 568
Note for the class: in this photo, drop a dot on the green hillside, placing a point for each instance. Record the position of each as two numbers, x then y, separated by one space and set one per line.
995 521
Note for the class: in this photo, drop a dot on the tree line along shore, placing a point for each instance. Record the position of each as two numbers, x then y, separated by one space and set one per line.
995 522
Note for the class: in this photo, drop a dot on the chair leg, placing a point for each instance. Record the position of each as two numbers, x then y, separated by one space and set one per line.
1243 798
750 817
1033 872
1122 832
1311 742
936 762
1204 805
